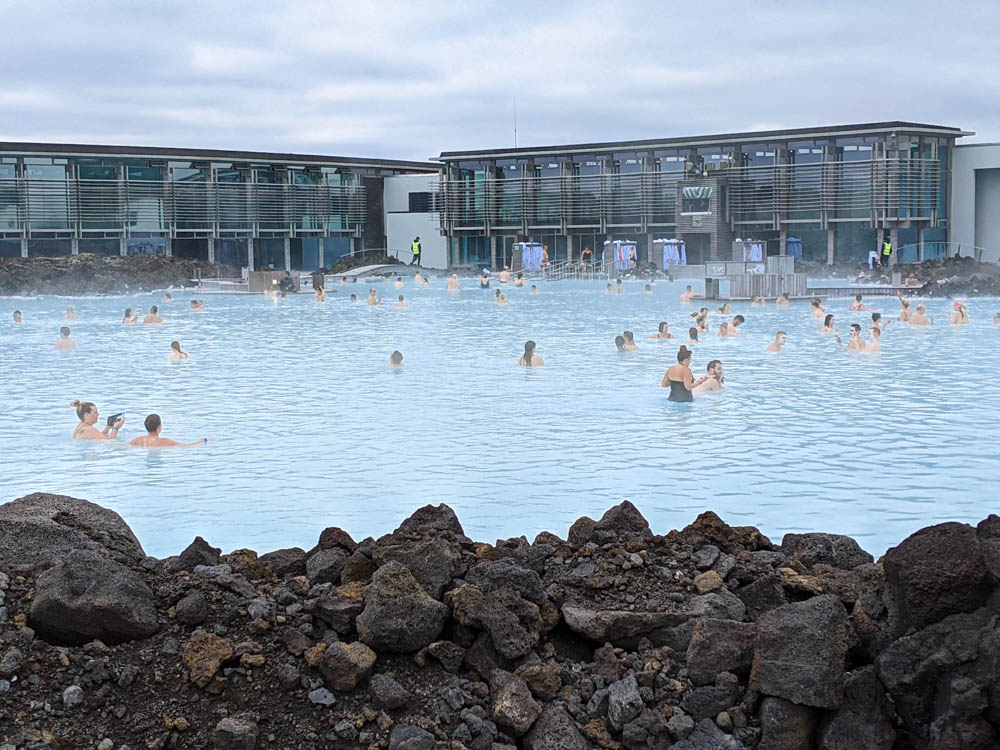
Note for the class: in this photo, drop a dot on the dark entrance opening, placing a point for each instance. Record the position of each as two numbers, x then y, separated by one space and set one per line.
698 246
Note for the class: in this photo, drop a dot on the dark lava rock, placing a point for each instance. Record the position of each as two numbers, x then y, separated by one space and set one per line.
507 573
338 612
357 568
720 646
762 595
333 536
236 733
409 737
432 561
191 609
625 521
431 519
787 726
399 616
933 573
512 622
708 528
864 719
707 736
800 652
199 552
555 730
87 597
624 702
451 655
346 665
542 679
387 693
620 627
285 563
829 549
514 710
326 565
707 702
40 529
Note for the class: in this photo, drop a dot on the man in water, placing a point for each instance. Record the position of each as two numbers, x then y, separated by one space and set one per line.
534 289
398 283
779 341
65 343
153 317
859 306
452 285
609 289
17 316
505 275
152 437
688 295
396 360
354 298
712 379
197 304
730 330
519 281
287 283
919 318
401 304
372 299
318 279
619 289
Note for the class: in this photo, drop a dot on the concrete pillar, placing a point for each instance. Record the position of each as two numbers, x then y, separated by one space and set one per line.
894 239
211 249
169 241
649 247
122 246
24 247
783 241
920 243
569 248
493 252
321 260
288 253
250 254
831 244
74 246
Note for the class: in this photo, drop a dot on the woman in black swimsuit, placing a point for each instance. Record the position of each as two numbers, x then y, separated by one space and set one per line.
679 379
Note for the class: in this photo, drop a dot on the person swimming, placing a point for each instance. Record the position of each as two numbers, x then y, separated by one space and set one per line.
730 330
817 308
996 319
828 324
620 344
904 311
396 360
87 413
130 317
534 290
692 336
320 294
678 378
858 305
779 341
167 297
919 318
662 332
756 301
630 344
505 275
712 380
519 281
724 310
874 340
17 316
401 303
648 289
687 295
783 300
176 353
354 298
619 289
372 299
484 280
855 343
398 283
879 322
529 358
960 313
452 285
503 299
153 317
70 313
152 439
65 343
609 289
197 304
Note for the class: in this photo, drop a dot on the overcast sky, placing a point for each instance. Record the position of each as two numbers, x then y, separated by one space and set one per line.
409 80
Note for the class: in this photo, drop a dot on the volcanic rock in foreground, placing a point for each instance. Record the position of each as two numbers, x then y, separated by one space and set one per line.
616 638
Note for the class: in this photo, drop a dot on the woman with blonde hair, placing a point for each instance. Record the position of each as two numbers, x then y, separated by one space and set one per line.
88 415
960 314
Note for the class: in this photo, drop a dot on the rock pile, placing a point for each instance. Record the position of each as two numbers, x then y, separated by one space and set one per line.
708 638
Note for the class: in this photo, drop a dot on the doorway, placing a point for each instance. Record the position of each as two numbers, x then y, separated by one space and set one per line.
698 246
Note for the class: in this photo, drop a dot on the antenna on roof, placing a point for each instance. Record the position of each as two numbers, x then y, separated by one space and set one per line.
515 122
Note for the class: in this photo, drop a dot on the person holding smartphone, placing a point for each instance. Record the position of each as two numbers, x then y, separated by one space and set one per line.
88 414
152 439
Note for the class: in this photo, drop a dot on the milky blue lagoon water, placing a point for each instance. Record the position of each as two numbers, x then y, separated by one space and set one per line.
310 429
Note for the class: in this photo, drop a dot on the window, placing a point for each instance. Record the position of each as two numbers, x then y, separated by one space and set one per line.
696 200
420 203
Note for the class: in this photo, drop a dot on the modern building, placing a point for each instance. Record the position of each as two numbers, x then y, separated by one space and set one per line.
244 208
975 201
838 189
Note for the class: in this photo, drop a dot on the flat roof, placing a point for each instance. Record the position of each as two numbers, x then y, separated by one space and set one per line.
755 135
208 154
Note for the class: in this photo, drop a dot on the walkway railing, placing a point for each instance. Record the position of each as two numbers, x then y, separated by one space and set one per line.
572 269
935 250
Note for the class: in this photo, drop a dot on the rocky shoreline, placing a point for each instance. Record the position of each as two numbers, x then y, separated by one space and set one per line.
708 638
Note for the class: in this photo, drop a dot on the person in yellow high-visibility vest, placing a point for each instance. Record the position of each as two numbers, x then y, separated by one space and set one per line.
415 250
886 252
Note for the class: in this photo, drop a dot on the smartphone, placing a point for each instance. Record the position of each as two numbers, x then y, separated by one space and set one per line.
115 418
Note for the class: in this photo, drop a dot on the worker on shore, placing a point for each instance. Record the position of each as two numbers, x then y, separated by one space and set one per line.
415 250
886 252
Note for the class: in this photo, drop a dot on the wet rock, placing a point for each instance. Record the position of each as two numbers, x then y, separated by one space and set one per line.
431 519
827 549
555 730
326 565
345 666
800 652
192 609
41 529
514 710
449 654
708 582
507 573
432 562
864 719
933 573
236 733
399 616
706 702
87 597
620 627
72 696
624 702
542 679
387 693
322 697
410 737
286 562
199 552
720 646
786 725
203 657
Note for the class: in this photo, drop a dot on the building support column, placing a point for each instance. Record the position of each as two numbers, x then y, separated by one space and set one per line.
493 252
74 246
321 259
894 239
169 242
250 254
782 241
831 244
649 247
920 244
569 248
288 253
211 249
122 246
24 247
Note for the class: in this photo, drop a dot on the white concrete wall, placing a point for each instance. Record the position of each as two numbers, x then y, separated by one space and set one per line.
401 226
969 209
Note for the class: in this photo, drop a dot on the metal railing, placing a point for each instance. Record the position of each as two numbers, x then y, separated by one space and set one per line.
937 250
